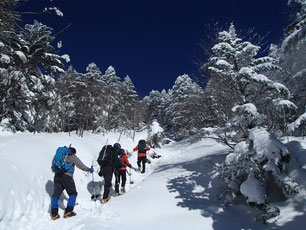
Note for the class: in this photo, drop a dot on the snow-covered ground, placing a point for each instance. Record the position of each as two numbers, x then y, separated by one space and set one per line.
178 190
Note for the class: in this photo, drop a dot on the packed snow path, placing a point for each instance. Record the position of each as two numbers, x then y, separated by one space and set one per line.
178 190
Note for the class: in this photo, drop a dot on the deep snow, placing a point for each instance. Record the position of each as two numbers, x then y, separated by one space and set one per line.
178 190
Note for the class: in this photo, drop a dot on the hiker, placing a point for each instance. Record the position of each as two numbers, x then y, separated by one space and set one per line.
142 154
108 161
121 173
64 180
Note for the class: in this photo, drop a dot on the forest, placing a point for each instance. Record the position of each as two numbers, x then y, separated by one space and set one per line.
247 96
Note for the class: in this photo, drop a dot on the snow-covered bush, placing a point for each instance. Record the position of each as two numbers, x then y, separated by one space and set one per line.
298 127
258 159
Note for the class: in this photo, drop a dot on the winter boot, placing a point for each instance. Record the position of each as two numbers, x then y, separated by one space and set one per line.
55 217
69 214
117 194
122 189
106 200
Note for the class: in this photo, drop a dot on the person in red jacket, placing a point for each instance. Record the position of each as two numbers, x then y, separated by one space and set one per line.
142 154
121 172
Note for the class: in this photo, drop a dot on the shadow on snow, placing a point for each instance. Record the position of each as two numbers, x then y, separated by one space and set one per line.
198 191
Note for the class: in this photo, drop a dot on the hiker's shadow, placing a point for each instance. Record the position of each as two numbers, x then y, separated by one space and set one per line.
95 189
49 189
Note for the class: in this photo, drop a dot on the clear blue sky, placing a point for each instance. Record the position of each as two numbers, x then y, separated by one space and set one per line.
152 41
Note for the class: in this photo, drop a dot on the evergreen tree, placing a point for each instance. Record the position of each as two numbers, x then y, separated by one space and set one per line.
113 92
186 96
131 103
237 74
257 103
95 85
291 56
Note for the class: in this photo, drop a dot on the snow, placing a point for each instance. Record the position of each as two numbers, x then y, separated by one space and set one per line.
60 44
178 190
223 63
155 128
297 123
247 108
21 56
66 57
5 59
253 190
264 144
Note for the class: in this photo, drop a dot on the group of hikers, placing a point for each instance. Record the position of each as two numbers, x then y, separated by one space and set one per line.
112 160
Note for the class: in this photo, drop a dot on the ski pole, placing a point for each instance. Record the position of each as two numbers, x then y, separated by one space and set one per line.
94 189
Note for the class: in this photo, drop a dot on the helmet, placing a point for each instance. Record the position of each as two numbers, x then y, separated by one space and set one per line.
72 151
117 146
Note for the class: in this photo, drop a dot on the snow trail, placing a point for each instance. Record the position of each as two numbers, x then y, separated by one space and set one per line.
178 190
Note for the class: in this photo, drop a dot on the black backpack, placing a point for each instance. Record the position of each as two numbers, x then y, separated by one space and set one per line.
105 156
120 160
142 146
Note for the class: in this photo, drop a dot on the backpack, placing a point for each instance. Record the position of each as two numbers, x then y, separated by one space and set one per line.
142 146
105 156
59 163
120 160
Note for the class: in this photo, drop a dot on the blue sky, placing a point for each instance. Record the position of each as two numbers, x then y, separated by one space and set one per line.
152 41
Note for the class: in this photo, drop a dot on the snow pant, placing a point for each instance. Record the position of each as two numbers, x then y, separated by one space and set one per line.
143 161
60 183
107 172
120 174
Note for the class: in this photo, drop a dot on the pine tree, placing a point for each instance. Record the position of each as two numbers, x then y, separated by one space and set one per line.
95 85
186 96
237 78
27 70
291 56
257 105
113 91
130 99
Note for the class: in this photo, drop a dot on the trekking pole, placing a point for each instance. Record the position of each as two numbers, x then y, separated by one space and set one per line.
130 174
94 189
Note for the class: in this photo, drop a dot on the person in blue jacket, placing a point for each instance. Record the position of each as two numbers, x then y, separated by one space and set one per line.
65 181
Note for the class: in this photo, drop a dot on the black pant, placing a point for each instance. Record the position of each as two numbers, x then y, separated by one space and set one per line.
143 161
120 174
60 183
108 176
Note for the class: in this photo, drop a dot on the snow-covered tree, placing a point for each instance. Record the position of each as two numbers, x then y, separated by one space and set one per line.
237 77
259 162
291 56
113 92
131 114
152 105
258 105
27 68
63 116
298 127
95 85
185 116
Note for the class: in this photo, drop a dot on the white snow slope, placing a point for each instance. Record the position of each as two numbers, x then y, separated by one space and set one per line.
178 190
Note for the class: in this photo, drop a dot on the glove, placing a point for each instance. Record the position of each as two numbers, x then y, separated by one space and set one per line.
130 166
91 170
100 173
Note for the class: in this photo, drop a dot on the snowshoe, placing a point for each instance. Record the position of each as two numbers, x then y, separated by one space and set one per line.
106 200
95 197
55 217
122 189
69 214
